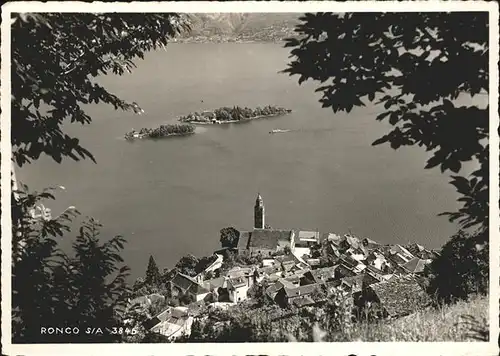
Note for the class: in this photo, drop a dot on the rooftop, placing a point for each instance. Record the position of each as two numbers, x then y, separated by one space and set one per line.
268 238
400 295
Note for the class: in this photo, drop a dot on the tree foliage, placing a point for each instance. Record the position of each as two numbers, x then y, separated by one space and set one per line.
152 273
81 289
229 237
187 265
55 60
461 269
414 66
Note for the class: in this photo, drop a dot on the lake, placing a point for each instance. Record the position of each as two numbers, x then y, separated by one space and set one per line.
171 197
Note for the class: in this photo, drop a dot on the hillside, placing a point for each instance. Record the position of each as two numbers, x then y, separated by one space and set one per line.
240 27
463 321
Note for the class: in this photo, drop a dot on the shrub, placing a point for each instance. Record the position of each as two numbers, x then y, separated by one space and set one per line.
461 269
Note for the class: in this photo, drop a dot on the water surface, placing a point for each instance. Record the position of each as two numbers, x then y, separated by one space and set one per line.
171 197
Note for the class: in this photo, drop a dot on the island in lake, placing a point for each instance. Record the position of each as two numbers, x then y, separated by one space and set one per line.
226 115
162 131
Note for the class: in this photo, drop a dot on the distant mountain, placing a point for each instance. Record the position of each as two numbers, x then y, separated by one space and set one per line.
228 27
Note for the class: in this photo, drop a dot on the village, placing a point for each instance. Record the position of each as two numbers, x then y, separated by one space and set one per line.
297 268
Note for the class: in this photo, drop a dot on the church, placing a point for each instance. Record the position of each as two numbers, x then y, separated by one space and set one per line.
262 240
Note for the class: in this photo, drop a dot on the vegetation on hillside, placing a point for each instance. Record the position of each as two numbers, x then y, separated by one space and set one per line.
240 27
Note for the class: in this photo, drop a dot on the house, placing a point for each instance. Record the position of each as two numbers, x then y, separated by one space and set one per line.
334 239
358 253
266 262
400 253
415 249
415 265
215 265
286 296
182 285
237 288
270 241
377 260
396 297
369 244
146 300
351 241
342 271
273 289
319 276
270 271
374 271
215 286
304 241
293 279
176 325
332 250
303 301
308 238
313 262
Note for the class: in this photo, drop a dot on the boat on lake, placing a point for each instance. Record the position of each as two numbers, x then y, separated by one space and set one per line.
278 131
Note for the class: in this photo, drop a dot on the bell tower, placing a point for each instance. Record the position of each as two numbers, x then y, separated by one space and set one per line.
259 213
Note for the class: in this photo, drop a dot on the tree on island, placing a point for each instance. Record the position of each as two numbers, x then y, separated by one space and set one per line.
229 237
152 273
50 89
413 66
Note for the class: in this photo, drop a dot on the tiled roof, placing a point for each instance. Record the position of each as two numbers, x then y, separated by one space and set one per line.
401 250
400 295
293 278
415 265
243 240
323 274
179 312
415 248
237 282
334 238
273 289
268 238
186 283
286 283
182 281
164 315
303 301
348 261
269 269
212 284
354 282
352 241
239 272
198 289
300 291
374 270
150 323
